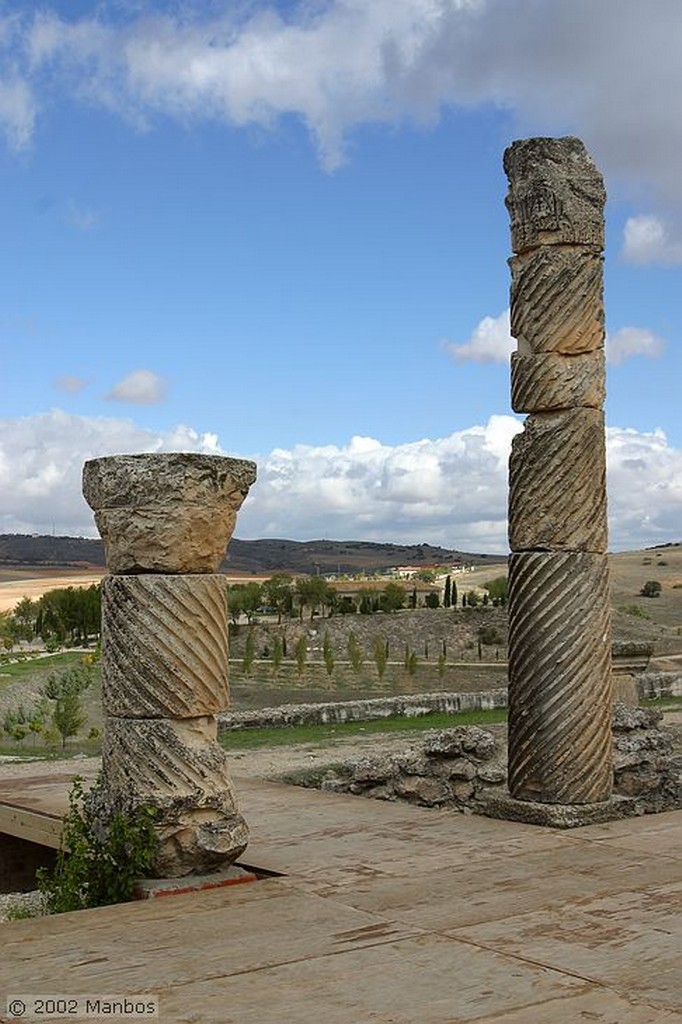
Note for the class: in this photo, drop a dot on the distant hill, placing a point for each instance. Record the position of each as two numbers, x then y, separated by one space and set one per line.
248 556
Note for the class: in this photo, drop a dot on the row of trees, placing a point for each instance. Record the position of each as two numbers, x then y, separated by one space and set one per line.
66 615
58 713
356 656
285 596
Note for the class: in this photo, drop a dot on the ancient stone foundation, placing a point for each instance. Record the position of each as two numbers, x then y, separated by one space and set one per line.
465 769
166 521
560 745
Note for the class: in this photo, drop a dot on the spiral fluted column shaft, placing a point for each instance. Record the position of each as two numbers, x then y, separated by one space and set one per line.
166 520
559 626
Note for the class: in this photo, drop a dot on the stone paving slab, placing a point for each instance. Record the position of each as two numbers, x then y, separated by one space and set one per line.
652 834
195 935
427 979
504 887
389 914
632 940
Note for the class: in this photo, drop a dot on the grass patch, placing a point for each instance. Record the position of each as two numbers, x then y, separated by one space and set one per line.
293 735
38 664
76 748
662 702
635 611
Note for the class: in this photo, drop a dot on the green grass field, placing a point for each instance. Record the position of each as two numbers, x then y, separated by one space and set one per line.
293 735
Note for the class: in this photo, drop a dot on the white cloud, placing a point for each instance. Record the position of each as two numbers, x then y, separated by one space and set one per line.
17 112
646 239
490 341
41 461
343 63
632 341
449 491
141 387
645 488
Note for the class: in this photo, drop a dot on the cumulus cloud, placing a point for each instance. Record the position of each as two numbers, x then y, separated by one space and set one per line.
41 461
343 63
490 341
646 239
141 387
449 491
645 488
632 341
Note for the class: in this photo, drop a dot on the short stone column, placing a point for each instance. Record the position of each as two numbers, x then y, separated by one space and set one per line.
166 520
560 748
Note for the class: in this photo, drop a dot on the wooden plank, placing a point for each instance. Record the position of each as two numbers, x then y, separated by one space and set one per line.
34 826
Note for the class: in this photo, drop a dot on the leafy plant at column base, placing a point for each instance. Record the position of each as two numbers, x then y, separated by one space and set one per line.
100 859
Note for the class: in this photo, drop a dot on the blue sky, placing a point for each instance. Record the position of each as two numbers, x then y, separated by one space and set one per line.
278 232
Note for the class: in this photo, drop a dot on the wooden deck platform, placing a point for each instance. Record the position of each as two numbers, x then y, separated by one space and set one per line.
382 913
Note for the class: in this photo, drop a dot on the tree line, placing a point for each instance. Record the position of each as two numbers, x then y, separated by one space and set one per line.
58 712
313 595
67 615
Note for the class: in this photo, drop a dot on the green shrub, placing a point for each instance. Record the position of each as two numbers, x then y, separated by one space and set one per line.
635 610
99 860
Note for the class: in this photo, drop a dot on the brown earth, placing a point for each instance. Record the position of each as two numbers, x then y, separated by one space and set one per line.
14 587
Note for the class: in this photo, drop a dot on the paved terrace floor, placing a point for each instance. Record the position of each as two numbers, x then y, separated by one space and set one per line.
389 913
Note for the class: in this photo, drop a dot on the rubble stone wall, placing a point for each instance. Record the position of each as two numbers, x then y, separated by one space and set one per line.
465 769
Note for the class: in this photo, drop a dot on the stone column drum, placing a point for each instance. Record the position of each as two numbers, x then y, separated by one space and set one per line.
166 520
559 620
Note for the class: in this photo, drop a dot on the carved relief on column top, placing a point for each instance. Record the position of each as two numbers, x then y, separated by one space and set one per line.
548 382
166 512
556 194
165 645
557 477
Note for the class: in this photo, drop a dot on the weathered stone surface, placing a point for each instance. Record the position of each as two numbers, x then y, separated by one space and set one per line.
165 646
548 383
557 486
556 194
559 678
648 776
560 749
494 804
407 705
428 792
171 513
199 842
173 764
178 768
460 741
557 302
625 719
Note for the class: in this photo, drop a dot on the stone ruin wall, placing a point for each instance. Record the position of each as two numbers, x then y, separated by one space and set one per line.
465 769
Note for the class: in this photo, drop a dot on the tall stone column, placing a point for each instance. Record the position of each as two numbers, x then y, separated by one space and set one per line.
559 613
166 520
